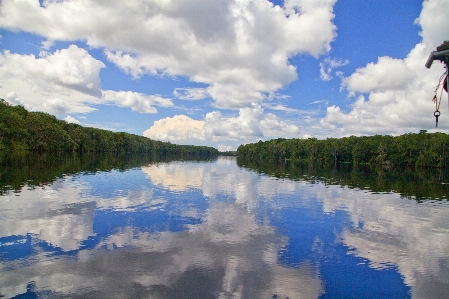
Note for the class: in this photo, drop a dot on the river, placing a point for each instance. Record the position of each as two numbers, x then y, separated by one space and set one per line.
217 229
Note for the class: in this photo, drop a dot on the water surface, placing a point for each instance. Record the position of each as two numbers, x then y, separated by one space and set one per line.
213 229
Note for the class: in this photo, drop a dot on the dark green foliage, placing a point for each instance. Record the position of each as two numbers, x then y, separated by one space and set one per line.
38 131
32 168
13 129
228 153
423 149
427 183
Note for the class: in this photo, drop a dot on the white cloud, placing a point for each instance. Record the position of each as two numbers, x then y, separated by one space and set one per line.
12 98
239 48
191 94
136 101
224 148
433 20
55 106
72 120
58 83
318 102
66 81
281 107
175 129
274 127
398 92
388 73
243 126
72 68
328 65
251 123
47 44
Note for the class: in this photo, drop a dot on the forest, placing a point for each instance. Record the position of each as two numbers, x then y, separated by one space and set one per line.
413 149
39 131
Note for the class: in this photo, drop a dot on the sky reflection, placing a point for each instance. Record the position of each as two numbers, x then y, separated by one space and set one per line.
214 230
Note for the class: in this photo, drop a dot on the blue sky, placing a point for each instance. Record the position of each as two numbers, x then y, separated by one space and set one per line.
224 73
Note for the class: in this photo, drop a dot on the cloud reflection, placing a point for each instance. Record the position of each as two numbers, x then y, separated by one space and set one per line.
52 213
176 176
391 231
227 254
231 250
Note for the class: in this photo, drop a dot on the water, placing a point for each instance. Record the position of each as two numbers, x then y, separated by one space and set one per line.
215 229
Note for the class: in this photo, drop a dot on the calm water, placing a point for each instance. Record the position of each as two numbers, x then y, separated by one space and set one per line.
217 230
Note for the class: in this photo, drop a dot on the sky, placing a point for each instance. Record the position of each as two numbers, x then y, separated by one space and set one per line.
230 72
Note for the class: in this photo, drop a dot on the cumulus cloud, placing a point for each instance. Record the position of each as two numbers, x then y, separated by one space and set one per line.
393 96
245 125
251 123
177 128
57 83
136 101
225 148
387 73
66 81
241 49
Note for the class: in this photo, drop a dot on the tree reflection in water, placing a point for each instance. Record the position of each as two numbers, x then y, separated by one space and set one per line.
150 229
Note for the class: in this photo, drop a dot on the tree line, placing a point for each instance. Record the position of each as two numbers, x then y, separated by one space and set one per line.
39 131
412 149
